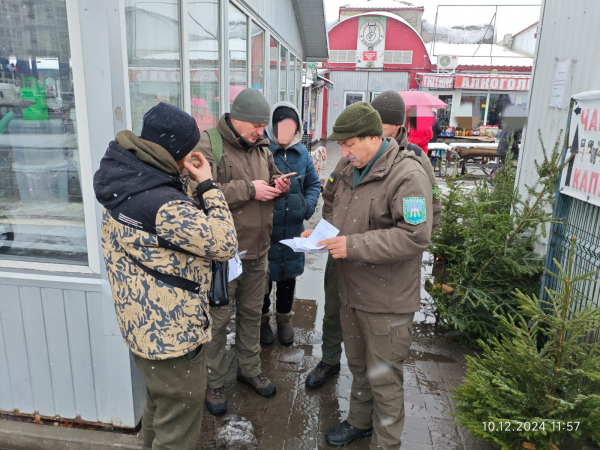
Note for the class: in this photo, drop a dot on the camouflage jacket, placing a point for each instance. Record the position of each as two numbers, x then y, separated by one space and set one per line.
151 226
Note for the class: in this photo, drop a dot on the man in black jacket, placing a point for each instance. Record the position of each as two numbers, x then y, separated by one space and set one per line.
158 245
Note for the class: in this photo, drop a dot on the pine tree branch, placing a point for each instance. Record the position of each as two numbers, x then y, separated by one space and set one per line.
565 308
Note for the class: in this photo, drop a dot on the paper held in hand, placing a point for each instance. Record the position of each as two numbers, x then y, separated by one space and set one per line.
235 266
324 230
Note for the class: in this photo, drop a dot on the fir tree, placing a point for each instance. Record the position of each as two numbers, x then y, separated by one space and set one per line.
488 235
519 392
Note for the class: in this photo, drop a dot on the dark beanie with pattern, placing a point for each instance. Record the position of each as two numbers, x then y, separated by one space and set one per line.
171 128
391 108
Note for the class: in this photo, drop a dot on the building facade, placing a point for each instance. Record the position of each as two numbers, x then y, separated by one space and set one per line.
371 53
72 75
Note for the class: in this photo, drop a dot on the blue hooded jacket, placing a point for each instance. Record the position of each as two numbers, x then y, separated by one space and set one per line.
291 212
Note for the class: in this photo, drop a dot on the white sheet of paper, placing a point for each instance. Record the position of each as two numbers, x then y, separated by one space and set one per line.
324 230
235 267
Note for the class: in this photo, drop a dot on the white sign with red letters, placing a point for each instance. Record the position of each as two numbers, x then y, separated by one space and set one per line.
580 178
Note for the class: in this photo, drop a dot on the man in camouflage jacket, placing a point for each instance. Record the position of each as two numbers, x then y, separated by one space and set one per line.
158 245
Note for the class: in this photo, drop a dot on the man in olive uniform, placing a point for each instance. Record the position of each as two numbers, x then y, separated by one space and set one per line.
382 205
244 170
392 110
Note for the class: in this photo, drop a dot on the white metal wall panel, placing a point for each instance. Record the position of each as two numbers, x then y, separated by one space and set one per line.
364 81
556 40
279 14
57 359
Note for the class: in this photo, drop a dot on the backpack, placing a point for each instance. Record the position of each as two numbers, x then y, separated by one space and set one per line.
216 145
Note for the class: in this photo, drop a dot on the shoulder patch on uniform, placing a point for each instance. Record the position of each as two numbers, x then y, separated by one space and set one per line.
437 193
414 210
331 178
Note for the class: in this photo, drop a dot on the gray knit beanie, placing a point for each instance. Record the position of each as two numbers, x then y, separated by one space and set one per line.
251 106
391 108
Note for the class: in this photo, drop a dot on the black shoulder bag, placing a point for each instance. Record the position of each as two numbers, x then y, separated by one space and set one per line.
219 289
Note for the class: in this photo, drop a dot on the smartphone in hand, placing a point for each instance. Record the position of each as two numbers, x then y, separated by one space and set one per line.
284 176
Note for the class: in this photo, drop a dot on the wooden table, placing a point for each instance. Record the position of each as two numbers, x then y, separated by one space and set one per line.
476 154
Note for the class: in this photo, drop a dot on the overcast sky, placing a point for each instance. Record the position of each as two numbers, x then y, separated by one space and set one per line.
509 20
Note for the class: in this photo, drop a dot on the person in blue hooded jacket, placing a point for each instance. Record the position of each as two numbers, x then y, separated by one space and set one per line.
290 155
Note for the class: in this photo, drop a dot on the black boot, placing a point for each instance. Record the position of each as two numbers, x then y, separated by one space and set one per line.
266 333
320 374
344 433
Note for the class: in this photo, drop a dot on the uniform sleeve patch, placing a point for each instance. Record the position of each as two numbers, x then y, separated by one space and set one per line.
331 178
414 210
437 193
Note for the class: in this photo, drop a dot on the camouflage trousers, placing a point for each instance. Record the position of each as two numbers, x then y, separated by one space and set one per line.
248 293
175 391
376 346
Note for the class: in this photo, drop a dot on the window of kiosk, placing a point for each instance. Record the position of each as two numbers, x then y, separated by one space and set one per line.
444 115
274 74
283 74
258 58
203 29
238 64
351 97
497 104
473 105
292 80
41 206
153 56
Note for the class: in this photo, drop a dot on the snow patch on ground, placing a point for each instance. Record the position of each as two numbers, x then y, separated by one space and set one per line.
236 434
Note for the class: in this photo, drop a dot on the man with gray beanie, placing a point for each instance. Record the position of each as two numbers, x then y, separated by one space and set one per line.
244 170
379 198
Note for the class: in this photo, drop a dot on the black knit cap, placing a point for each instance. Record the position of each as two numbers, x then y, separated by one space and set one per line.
171 128
282 113
391 108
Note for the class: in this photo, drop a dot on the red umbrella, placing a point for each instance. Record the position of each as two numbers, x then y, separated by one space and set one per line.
420 98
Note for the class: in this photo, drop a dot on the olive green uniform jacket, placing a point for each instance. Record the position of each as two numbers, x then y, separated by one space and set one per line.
382 273
234 175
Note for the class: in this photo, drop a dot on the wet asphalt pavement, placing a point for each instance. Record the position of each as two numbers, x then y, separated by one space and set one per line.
297 418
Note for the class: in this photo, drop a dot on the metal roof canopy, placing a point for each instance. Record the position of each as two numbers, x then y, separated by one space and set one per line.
310 15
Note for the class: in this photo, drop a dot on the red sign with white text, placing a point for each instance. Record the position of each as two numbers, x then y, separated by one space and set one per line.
492 83
369 56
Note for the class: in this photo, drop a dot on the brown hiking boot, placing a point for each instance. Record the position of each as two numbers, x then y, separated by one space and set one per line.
216 401
261 384
285 330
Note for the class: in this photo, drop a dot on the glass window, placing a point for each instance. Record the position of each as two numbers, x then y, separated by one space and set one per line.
283 74
203 26
353 97
472 105
299 83
41 208
258 58
292 83
274 63
444 115
153 56
497 104
238 25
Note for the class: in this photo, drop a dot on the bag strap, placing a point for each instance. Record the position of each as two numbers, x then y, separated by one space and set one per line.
171 280
216 144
